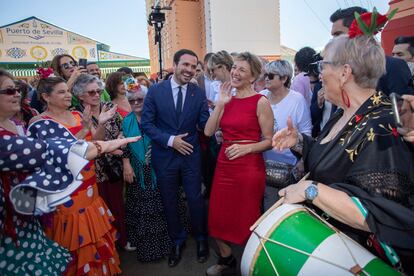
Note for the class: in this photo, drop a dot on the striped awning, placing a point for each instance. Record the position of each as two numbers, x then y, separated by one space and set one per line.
22 72
19 73
138 69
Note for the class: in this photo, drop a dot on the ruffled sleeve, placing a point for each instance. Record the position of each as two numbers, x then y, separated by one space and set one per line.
55 164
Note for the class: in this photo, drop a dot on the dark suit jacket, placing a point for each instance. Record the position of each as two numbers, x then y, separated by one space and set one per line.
159 122
397 79
316 111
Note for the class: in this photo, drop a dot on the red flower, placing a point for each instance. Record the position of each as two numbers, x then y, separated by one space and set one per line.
394 132
355 29
44 72
358 118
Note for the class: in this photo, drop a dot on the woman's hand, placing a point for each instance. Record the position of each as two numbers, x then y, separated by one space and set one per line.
129 174
236 151
108 146
87 118
285 138
106 114
225 93
295 193
76 73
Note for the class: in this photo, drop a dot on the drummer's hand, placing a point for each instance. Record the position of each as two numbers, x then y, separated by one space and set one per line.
295 193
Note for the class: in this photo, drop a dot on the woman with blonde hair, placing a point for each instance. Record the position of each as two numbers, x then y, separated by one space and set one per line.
246 120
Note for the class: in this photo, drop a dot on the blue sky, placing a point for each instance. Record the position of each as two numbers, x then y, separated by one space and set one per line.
122 24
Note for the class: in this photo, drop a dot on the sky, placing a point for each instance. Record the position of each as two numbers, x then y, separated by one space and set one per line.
123 24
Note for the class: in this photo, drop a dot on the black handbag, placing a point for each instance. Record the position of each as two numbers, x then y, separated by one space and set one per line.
278 174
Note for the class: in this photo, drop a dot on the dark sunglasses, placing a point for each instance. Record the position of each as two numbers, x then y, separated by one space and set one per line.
136 101
94 92
68 65
270 76
9 91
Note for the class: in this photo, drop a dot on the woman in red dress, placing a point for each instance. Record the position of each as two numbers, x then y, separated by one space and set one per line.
246 121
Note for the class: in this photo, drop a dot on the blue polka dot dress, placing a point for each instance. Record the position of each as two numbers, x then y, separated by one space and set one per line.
24 248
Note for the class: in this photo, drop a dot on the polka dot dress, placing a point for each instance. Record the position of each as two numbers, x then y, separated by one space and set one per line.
24 248
32 253
145 220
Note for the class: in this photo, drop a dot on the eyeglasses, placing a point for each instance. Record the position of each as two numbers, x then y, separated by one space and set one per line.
92 93
68 65
269 76
9 91
136 101
321 64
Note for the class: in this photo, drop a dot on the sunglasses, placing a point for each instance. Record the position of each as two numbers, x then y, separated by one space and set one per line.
92 93
68 65
270 76
136 101
9 91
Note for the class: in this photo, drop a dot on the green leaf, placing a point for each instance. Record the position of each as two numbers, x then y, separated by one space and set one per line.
374 16
392 13
361 24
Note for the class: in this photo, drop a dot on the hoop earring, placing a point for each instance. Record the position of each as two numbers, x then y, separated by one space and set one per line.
345 98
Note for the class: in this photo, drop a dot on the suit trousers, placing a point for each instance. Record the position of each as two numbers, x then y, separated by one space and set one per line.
180 172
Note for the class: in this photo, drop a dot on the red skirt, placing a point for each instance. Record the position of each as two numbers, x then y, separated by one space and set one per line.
236 196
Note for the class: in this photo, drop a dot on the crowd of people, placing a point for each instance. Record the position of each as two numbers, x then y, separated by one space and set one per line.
91 165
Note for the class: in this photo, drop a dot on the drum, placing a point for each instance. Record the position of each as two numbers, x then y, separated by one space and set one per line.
293 240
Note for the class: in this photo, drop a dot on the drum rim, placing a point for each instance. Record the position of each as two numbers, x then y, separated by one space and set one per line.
296 208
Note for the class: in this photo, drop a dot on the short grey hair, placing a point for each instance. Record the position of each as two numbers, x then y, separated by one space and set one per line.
282 68
82 81
363 54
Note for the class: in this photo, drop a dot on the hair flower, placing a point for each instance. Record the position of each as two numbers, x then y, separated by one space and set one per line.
369 23
44 73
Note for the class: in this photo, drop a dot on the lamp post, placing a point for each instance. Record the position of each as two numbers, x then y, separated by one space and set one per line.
157 18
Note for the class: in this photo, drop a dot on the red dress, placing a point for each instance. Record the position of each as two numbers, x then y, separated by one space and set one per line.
239 184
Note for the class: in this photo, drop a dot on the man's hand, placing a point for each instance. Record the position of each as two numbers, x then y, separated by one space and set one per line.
182 146
321 97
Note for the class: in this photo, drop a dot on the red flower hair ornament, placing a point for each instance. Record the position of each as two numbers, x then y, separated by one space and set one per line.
369 23
44 73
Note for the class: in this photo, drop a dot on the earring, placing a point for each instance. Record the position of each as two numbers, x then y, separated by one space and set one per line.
345 98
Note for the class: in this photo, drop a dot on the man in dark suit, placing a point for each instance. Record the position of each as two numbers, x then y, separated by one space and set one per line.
173 110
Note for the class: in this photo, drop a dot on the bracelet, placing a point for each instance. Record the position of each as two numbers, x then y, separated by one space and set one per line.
98 148
298 147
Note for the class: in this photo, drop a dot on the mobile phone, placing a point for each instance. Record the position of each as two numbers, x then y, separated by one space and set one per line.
402 112
83 62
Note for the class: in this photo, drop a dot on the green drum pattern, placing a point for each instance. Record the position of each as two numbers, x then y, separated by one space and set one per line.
291 232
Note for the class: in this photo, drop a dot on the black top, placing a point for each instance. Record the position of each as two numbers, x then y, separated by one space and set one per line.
369 160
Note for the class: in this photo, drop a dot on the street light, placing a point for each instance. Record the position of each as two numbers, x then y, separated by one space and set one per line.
157 18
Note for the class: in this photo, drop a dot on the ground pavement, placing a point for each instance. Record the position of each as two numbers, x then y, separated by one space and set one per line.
187 267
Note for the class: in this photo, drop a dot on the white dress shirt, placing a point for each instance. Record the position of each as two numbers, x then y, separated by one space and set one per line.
175 88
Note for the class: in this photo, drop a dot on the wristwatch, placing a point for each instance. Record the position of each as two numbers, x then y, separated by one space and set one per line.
311 192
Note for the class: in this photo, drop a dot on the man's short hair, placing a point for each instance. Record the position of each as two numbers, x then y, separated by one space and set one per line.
347 15
92 63
303 58
182 52
406 40
125 70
